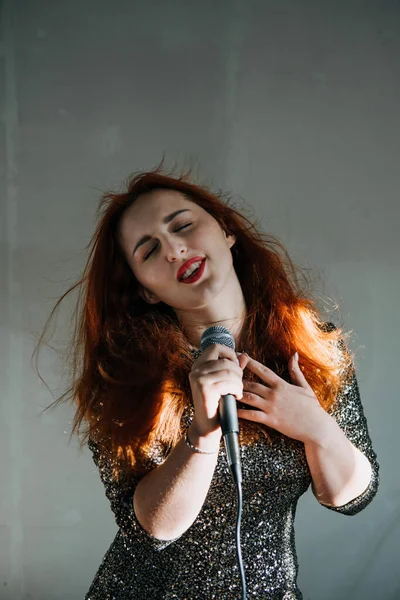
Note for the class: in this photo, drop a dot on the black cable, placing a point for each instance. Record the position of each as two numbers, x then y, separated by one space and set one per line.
238 547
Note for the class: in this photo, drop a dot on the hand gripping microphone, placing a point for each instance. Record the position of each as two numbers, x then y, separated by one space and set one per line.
227 410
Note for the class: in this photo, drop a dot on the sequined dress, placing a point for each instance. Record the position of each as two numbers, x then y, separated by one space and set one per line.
201 564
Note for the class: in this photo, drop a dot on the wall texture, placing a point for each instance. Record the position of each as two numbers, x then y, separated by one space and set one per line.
292 105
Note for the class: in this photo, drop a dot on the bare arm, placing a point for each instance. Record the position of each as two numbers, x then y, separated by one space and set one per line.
344 465
169 498
340 472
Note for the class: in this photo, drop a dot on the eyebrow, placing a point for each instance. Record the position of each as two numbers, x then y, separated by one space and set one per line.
167 219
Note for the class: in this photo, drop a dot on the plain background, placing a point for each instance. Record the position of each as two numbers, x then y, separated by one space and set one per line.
293 106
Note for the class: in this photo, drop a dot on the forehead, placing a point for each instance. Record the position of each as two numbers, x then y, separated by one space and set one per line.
148 209
158 203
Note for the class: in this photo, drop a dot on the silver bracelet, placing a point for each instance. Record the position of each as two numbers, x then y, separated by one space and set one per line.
190 445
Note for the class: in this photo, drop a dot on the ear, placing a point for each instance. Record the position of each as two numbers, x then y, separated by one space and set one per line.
230 238
148 296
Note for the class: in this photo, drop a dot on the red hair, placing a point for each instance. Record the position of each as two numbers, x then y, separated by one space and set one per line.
130 360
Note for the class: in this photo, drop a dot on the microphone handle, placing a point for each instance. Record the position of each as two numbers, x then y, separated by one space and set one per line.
228 419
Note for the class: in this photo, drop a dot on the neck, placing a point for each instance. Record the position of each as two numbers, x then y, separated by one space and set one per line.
237 325
226 308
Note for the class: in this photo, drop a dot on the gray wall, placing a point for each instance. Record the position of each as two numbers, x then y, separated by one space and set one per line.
292 105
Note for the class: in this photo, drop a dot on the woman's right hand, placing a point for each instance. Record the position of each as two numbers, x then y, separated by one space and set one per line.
215 373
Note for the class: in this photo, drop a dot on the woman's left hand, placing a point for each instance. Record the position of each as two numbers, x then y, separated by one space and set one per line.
293 410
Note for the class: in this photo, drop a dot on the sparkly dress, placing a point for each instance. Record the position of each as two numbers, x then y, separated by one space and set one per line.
201 564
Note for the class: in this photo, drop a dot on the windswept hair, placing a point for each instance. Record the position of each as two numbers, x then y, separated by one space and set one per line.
130 361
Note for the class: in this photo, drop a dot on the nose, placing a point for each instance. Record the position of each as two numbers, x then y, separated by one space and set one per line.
174 249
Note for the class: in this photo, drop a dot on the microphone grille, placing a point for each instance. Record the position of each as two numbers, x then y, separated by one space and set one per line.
217 334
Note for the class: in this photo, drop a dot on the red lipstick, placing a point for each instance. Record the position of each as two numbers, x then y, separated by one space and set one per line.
197 274
187 264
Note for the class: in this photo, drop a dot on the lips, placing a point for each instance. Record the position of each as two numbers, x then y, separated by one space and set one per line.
187 264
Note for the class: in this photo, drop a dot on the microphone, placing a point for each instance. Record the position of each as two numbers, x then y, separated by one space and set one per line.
227 410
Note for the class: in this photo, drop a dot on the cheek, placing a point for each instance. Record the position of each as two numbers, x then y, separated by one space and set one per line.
155 275
209 234
140 275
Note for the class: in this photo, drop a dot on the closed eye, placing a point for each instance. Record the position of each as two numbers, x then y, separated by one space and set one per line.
146 256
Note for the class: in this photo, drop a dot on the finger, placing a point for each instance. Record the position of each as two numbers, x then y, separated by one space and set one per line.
256 388
296 374
222 364
266 374
242 359
254 400
257 416
216 351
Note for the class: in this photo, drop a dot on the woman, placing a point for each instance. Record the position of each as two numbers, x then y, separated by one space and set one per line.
150 398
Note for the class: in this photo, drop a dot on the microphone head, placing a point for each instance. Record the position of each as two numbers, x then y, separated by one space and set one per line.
217 335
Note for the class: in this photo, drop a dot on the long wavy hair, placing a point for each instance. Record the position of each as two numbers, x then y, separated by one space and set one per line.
129 361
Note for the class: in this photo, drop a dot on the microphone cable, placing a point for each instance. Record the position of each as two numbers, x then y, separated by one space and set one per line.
238 546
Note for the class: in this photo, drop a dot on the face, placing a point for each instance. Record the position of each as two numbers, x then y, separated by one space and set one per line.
170 243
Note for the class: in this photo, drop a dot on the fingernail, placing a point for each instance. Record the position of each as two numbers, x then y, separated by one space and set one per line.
296 357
